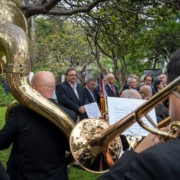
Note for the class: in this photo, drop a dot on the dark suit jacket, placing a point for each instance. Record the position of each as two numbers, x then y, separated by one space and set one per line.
156 163
110 92
38 150
3 174
126 86
67 98
96 92
89 96
71 113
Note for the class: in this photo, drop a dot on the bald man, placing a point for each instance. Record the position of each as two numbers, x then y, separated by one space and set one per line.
145 92
44 83
131 94
38 151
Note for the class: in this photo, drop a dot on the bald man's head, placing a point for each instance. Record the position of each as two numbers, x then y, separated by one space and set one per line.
131 94
145 91
44 83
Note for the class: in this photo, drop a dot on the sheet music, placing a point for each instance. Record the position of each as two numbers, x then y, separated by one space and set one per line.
118 108
92 110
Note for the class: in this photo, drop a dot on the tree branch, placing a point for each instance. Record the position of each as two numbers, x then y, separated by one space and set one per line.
47 8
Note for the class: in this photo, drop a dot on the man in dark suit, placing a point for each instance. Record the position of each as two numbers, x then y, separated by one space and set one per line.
3 174
71 94
38 150
158 161
89 90
111 89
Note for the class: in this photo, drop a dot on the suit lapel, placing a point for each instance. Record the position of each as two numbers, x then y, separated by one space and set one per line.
71 89
79 92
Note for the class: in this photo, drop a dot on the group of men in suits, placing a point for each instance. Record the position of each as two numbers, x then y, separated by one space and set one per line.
74 96
148 157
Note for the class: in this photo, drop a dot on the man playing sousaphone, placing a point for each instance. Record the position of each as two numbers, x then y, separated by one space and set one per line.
153 159
38 150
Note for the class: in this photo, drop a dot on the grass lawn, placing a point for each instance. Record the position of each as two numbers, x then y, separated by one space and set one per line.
75 173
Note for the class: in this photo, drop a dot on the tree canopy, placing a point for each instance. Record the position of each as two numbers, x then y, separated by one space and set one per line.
125 36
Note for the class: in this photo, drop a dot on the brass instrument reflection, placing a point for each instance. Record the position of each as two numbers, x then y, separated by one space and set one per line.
81 148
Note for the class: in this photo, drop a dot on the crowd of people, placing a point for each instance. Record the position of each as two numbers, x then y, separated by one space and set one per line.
39 147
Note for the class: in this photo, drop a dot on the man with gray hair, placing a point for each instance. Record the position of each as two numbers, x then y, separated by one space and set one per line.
89 90
131 94
132 76
145 91
163 78
132 83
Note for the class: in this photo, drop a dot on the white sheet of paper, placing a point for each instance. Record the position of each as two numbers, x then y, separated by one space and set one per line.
92 110
118 108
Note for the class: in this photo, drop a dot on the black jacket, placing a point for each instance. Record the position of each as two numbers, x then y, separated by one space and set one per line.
89 96
71 113
67 98
156 163
38 150
110 92
3 174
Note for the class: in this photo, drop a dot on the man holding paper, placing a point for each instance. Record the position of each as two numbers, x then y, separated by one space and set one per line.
71 94
89 90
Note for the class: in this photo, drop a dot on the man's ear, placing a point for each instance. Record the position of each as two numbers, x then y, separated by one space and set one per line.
34 86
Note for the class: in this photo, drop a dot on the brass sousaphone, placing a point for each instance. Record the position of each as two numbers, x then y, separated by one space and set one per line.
15 45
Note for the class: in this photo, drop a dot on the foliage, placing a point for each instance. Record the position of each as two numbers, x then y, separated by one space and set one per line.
42 69
60 45
161 41
78 174
5 100
114 33
133 35
4 153
69 7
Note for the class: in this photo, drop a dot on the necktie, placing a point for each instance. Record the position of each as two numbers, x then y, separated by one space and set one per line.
92 95
113 90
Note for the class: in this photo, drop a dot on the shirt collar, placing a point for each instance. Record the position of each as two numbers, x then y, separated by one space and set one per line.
72 85
110 84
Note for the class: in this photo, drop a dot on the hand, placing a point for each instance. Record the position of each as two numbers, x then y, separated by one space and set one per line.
101 94
150 140
81 110
147 142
